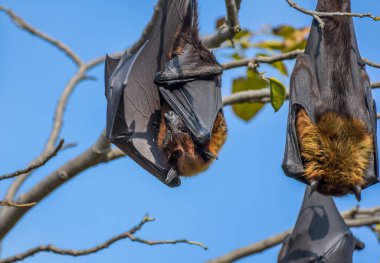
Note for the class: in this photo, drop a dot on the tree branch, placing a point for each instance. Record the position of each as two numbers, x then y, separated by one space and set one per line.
353 218
232 15
371 63
126 235
58 44
261 59
252 249
318 15
100 152
35 165
6 203
225 31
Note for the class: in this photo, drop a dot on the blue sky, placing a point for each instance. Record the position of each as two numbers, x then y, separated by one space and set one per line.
243 198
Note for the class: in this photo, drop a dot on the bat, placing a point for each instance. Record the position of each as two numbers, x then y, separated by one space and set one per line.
331 134
320 234
164 101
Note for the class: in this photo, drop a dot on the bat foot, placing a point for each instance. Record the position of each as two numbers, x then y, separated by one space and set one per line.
172 174
357 191
313 187
210 155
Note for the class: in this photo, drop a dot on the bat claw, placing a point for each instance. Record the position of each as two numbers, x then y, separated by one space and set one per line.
210 155
357 192
313 187
172 174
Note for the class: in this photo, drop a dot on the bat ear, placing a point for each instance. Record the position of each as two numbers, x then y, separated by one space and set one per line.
188 66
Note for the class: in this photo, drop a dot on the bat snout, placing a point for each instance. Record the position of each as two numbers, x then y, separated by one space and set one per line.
202 136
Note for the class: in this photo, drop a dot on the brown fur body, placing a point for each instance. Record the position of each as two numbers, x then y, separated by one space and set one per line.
336 151
184 154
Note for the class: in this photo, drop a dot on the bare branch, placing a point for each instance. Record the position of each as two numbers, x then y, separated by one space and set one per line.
58 44
252 249
6 203
261 59
375 85
276 58
318 15
262 95
100 152
35 165
371 63
126 235
232 15
225 31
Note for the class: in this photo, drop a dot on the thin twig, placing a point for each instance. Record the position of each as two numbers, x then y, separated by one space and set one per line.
261 59
371 63
12 204
225 32
126 235
318 15
60 45
252 249
276 58
232 15
35 165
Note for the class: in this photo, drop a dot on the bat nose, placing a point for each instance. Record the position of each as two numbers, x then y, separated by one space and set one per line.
202 137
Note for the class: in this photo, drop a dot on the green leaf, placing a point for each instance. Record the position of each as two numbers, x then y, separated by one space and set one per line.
285 31
243 33
277 93
271 45
236 56
253 81
280 66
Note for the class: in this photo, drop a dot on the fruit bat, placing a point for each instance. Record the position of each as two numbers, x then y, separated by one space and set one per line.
331 135
320 234
164 101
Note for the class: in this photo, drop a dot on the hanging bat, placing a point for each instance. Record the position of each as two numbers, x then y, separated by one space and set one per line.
331 135
320 234
164 102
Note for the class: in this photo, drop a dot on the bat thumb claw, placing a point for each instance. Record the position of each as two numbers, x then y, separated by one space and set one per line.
172 174
357 192
313 187
210 155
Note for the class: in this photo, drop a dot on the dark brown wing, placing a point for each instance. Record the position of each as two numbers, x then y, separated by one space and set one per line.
134 114
320 234
191 82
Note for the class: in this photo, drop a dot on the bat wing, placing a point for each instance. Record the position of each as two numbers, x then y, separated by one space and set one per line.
133 115
191 82
301 97
320 234
192 87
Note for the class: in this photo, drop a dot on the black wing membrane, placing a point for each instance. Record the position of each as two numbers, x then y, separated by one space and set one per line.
133 113
320 234
315 87
191 82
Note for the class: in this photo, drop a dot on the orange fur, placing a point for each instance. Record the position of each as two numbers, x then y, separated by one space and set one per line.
336 151
185 154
